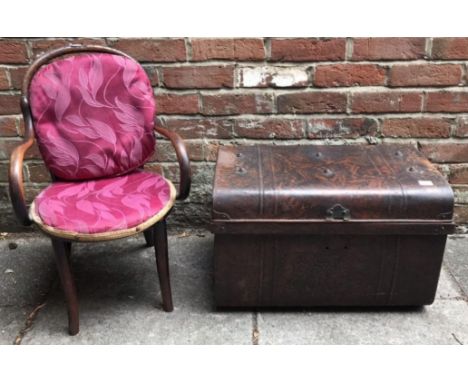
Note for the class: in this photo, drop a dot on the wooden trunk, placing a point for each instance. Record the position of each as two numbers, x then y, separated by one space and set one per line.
328 226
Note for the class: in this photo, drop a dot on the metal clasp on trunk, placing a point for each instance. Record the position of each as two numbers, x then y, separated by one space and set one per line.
338 212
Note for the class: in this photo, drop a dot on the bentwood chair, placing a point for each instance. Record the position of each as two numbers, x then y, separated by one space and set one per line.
91 110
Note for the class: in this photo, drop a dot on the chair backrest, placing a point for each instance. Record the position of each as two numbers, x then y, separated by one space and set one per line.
93 114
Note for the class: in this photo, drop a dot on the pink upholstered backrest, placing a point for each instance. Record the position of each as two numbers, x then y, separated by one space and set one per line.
93 115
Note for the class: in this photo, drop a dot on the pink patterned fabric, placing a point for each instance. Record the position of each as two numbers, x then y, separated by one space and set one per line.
93 115
103 205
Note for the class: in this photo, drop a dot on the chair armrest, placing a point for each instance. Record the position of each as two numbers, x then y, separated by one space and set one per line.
183 159
15 178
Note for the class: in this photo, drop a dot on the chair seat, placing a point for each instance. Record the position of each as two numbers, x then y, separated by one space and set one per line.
105 208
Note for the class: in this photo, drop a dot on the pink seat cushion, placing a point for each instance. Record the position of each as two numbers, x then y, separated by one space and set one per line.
93 115
103 205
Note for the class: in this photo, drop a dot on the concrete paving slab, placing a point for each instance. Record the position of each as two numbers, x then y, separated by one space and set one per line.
26 274
120 300
447 287
444 322
26 269
456 260
12 320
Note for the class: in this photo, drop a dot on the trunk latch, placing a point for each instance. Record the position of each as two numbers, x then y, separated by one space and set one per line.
338 212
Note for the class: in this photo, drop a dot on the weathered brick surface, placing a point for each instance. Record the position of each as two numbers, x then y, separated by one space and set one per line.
39 46
4 83
249 49
447 101
327 128
199 128
222 91
416 127
388 48
177 103
349 75
16 76
450 48
446 152
157 50
8 126
458 174
312 102
13 52
426 75
386 102
199 77
270 128
9 104
233 104
462 128
308 49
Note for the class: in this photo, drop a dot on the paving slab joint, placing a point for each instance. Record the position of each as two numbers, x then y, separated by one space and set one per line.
456 339
255 330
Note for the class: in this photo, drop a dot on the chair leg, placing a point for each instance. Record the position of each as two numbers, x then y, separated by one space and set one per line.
162 262
62 254
149 236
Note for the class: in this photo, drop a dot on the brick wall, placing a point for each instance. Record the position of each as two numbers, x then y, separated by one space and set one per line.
284 91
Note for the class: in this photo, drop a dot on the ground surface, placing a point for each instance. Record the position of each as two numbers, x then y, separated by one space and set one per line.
120 301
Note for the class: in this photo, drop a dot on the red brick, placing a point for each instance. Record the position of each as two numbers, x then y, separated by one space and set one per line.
425 75
13 52
246 49
38 173
349 75
462 128
386 102
210 151
455 48
7 147
416 127
157 50
40 46
152 73
312 102
458 174
447 102
165 151
177 103
16 76
230 104
4 173
8 127
32 191
445 152
270 128
308 49
388 48
199 127
9 104
156 168
460 213
4 83
324 128
199 77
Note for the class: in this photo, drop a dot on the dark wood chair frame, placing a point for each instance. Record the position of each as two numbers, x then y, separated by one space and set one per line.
156 235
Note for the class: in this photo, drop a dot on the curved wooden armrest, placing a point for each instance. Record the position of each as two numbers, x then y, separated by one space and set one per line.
15 178
183 159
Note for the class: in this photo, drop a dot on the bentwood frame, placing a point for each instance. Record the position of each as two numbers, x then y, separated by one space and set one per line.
155 234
